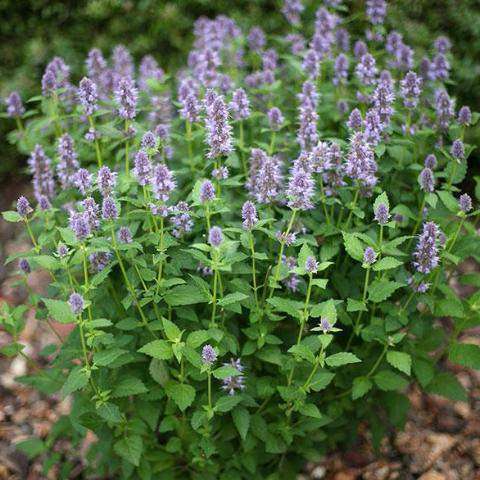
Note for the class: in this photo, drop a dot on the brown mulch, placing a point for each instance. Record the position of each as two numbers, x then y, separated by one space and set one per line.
441 440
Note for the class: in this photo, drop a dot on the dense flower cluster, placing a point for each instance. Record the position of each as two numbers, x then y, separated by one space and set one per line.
250 246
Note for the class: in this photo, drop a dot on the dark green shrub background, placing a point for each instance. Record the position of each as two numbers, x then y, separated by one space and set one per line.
33 31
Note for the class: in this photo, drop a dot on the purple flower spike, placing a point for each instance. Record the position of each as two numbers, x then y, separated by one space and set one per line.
215 236
99 260
106 181
40 167
458 149
444 109
23 206
427 180
249 215
91 211
68 162
219 131
341 70
207 191
124 235
430 161
256 39
376 11
76 302
80 225
240 105
383 98
465 203
24 266
369 256
425 257
234 383
464 116
411 87
292 10
300 189
163 182
87 96
311 265
355 120
209 355
149 141
62 250
275 119
126 97
361 165
142 168
15 107
109 209
122 62
366 70
382 214
442 44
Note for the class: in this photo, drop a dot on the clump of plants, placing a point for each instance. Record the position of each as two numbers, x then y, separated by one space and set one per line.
254 254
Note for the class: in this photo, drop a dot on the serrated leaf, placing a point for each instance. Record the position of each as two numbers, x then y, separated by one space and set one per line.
449 307
129 386
382 198
106 357
59 310
321 380
466 354
241 419
225 371
195 339
160 349
182 394
448 200
325 310
400 360
356 305
172 332
130 448
185 295
387 380
12 216
76 380
159 371
303 352
379 290
110 412
353 246
447 385
285 305
341 358
361 385
310 410
232 298
226 403
386 263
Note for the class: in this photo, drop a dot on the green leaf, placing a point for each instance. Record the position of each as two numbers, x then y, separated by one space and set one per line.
59 310
304 253
382 198
232 298
353 246
225 371
159 371
106 357
321 380
241 419
32 447
182 394
12 216
325 310
386 263
320 283
310 410
379 290
130 448
356 305
76 380
449 307
361 385
172 332
342 358
185 295
225 404
129 386
303 352
466 354
388 380
291 307
110 412
160 349
448 200
195 339
447 385
400 360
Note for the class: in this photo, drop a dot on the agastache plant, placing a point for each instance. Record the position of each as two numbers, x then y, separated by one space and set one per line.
276 266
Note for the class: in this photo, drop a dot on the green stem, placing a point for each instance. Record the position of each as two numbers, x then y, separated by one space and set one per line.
272 143
355 199
160 264
280 254
241 145
209 374
188 128
97 145
306 385
19 123
418 222
214 299
30 233
254 273
325 212
359 316
127 144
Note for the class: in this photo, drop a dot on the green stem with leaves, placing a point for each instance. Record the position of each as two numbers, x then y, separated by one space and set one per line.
97 145
254 272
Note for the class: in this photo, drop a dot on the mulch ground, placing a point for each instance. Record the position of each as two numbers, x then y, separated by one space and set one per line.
441 440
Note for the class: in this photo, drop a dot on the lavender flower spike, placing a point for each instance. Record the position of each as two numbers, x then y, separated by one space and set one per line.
300 190
382 214
163 182
427 180
411 87
209 355
369 256
106 181
219 131
126 97
76 302
366 69
109 209
68 164
87 96
142 168
311 265
40 167
376 11
23 207
249 215
240 105
275 119
15 107
234 383
215 236
465 203
207 191
425 257
124 235
24 266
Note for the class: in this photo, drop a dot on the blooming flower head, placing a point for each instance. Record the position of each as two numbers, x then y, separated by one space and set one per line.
82 179
142 169
149 141
124 235
207 191
163 182
219 130
209 355
15 106
341 69
68 163
76 302
382 214
465 202
256 39
24 266
355 120
464 116
237 382
109 209
369 256
292 10
275 119
311 265
427 180
300 191
40 167
23 206
376 11
458 149
425 257
88 96
126 97
215 236
106 181
366 69
430 161
411 87
249 215
240 105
